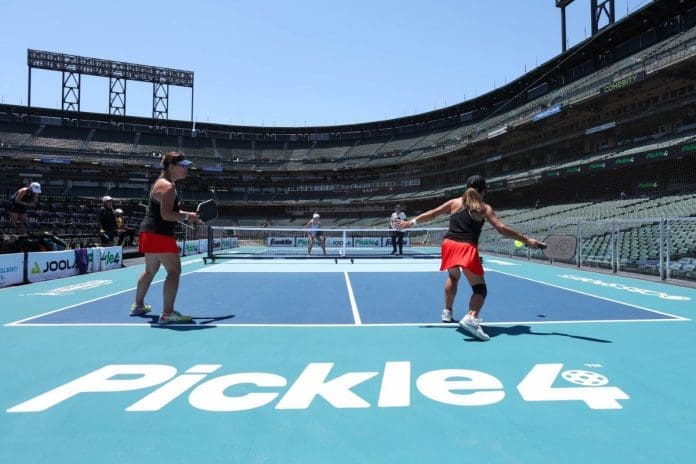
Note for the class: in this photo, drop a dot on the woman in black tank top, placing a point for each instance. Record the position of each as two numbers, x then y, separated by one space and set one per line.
157 241
460 248
25 197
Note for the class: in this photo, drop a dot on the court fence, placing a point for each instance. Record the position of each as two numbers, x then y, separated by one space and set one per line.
664 248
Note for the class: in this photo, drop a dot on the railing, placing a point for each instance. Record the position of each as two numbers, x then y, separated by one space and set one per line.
663 248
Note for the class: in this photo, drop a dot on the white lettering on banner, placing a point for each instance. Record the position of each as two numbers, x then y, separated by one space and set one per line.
386 241
332 242
280 241
628 288
94 259
11 269
72 289
111 258
367 242
457 387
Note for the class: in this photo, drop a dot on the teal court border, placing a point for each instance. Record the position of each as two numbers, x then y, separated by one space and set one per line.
650 363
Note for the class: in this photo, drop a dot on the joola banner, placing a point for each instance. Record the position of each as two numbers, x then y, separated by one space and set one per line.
47 265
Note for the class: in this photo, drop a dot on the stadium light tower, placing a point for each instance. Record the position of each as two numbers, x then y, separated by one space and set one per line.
73 67
562 4
597 10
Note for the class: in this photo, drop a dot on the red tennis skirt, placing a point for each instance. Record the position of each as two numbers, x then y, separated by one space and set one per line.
460 254
151 242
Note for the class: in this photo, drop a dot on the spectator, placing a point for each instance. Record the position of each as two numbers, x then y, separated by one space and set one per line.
125 233
25 197
107 222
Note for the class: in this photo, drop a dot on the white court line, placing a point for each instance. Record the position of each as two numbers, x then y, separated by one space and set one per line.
387 325
324 266
353 305
21 321
650 310
356 315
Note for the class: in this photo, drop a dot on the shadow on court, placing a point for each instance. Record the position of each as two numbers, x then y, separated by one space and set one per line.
195 325
495 331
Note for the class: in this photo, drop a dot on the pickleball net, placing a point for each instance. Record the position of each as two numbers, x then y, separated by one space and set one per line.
229 242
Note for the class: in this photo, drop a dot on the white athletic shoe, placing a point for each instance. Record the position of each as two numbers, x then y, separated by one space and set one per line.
447 315
473 326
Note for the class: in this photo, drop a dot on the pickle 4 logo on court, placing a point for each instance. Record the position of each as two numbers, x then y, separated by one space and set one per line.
455 387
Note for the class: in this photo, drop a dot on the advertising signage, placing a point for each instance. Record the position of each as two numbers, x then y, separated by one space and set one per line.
622 161
622 83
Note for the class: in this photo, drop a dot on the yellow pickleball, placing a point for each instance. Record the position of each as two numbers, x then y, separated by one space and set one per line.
518 244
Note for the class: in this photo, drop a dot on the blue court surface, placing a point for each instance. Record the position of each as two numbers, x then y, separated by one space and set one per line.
311 361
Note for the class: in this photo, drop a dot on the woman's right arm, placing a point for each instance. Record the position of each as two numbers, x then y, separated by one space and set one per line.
446 207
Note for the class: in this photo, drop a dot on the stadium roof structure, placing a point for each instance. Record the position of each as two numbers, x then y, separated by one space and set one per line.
118 72
652 23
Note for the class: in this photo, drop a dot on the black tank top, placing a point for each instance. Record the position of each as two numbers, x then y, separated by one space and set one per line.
463 227
28 197
153 221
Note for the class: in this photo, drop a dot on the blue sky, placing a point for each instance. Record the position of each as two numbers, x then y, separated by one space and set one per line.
291 63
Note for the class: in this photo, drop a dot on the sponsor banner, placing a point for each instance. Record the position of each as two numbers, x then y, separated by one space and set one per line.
222 244
110 258
229 242
555 109
47 265
301 242
600 128
499 131
282 241
11 269
359 242
386 241
202 245
338 242
94 258
622 83
190 247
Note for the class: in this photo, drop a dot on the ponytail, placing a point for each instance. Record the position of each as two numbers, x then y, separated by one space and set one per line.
473 200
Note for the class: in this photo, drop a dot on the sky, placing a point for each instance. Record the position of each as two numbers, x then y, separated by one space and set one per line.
291 63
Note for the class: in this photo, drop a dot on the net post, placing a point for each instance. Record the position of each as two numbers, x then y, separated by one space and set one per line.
343 244
211 245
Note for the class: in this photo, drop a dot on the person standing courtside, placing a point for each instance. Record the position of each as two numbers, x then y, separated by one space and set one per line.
157 241
125 233
25 197
397 235
460 248
107 222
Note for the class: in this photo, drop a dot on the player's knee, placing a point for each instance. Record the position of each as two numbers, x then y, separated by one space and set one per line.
480 289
